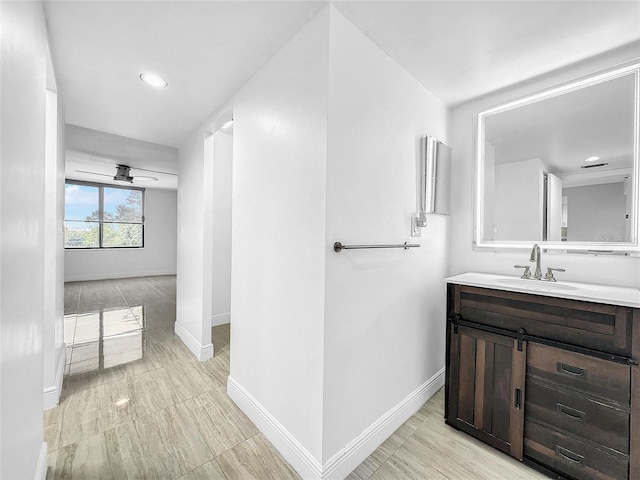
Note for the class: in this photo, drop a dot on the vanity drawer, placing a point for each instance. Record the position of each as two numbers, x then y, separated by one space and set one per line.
590 375
573 457
578 415
596 326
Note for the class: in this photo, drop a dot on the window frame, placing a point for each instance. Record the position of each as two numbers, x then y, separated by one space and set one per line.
101 221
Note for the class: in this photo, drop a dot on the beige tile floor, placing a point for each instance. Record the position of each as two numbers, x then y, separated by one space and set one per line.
137 405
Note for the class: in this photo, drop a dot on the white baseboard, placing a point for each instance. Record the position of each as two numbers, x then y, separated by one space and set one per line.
202 352
220 319
347 459
51 394
353 454
307 466
41 467
111 276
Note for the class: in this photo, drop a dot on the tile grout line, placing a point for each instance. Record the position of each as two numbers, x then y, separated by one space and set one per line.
159 291
204 436
212 459
133 420
122 295
399 446
220 467
73 340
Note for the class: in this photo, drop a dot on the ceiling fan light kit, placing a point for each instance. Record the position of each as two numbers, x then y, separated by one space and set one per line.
122 174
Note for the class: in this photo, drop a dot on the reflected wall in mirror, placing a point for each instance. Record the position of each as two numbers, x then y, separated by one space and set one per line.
560 167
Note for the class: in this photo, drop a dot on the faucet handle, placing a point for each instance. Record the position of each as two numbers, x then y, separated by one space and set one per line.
549 275
527 270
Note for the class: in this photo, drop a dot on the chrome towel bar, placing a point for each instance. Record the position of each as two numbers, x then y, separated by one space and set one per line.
338 247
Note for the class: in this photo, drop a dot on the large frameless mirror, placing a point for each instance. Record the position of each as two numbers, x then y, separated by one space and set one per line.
560 168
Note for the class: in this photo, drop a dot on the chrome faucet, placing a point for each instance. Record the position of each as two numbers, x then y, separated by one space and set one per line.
535 257
537 275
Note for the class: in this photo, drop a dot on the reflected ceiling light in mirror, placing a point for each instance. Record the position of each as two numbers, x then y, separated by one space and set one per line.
593 158
153 80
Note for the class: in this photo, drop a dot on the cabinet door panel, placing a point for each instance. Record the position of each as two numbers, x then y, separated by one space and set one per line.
467 372
485 393
501 374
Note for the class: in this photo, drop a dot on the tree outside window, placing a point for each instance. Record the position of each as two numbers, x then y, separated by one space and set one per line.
101 216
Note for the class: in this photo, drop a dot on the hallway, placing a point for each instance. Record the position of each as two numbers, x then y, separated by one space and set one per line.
137 404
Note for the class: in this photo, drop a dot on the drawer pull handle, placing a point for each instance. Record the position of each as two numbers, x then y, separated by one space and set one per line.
569 456
571 412
570 369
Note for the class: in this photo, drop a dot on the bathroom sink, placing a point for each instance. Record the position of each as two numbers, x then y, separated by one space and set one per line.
535 284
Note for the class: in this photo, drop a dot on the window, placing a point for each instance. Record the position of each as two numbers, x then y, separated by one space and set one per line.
103 216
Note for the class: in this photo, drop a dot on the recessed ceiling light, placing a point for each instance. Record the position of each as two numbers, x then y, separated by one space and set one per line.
153 80
592 159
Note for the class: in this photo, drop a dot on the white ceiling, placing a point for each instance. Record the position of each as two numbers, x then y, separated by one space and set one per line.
460 50
206 50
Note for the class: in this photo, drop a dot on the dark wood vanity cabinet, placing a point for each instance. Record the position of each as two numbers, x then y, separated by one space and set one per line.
487 384
550 381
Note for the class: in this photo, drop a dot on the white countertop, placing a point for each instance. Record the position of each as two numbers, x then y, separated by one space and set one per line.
610 294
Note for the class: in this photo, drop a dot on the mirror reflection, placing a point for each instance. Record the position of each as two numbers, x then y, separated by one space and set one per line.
560 166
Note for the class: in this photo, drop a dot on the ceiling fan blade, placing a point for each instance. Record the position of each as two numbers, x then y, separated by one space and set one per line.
153 171
144 178
94 173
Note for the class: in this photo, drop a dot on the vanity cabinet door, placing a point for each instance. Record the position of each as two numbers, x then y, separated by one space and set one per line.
485 387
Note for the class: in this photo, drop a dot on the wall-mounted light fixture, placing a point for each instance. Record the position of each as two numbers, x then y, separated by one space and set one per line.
435 182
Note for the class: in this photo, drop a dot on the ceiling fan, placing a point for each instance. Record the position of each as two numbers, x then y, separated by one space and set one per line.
123 174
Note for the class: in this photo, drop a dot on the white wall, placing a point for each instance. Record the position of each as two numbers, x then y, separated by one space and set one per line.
615 270
158 257
518 200
53 337
489 190
194 253
554 208
278 231
23 67
596 213
326 147
221 228
385 309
